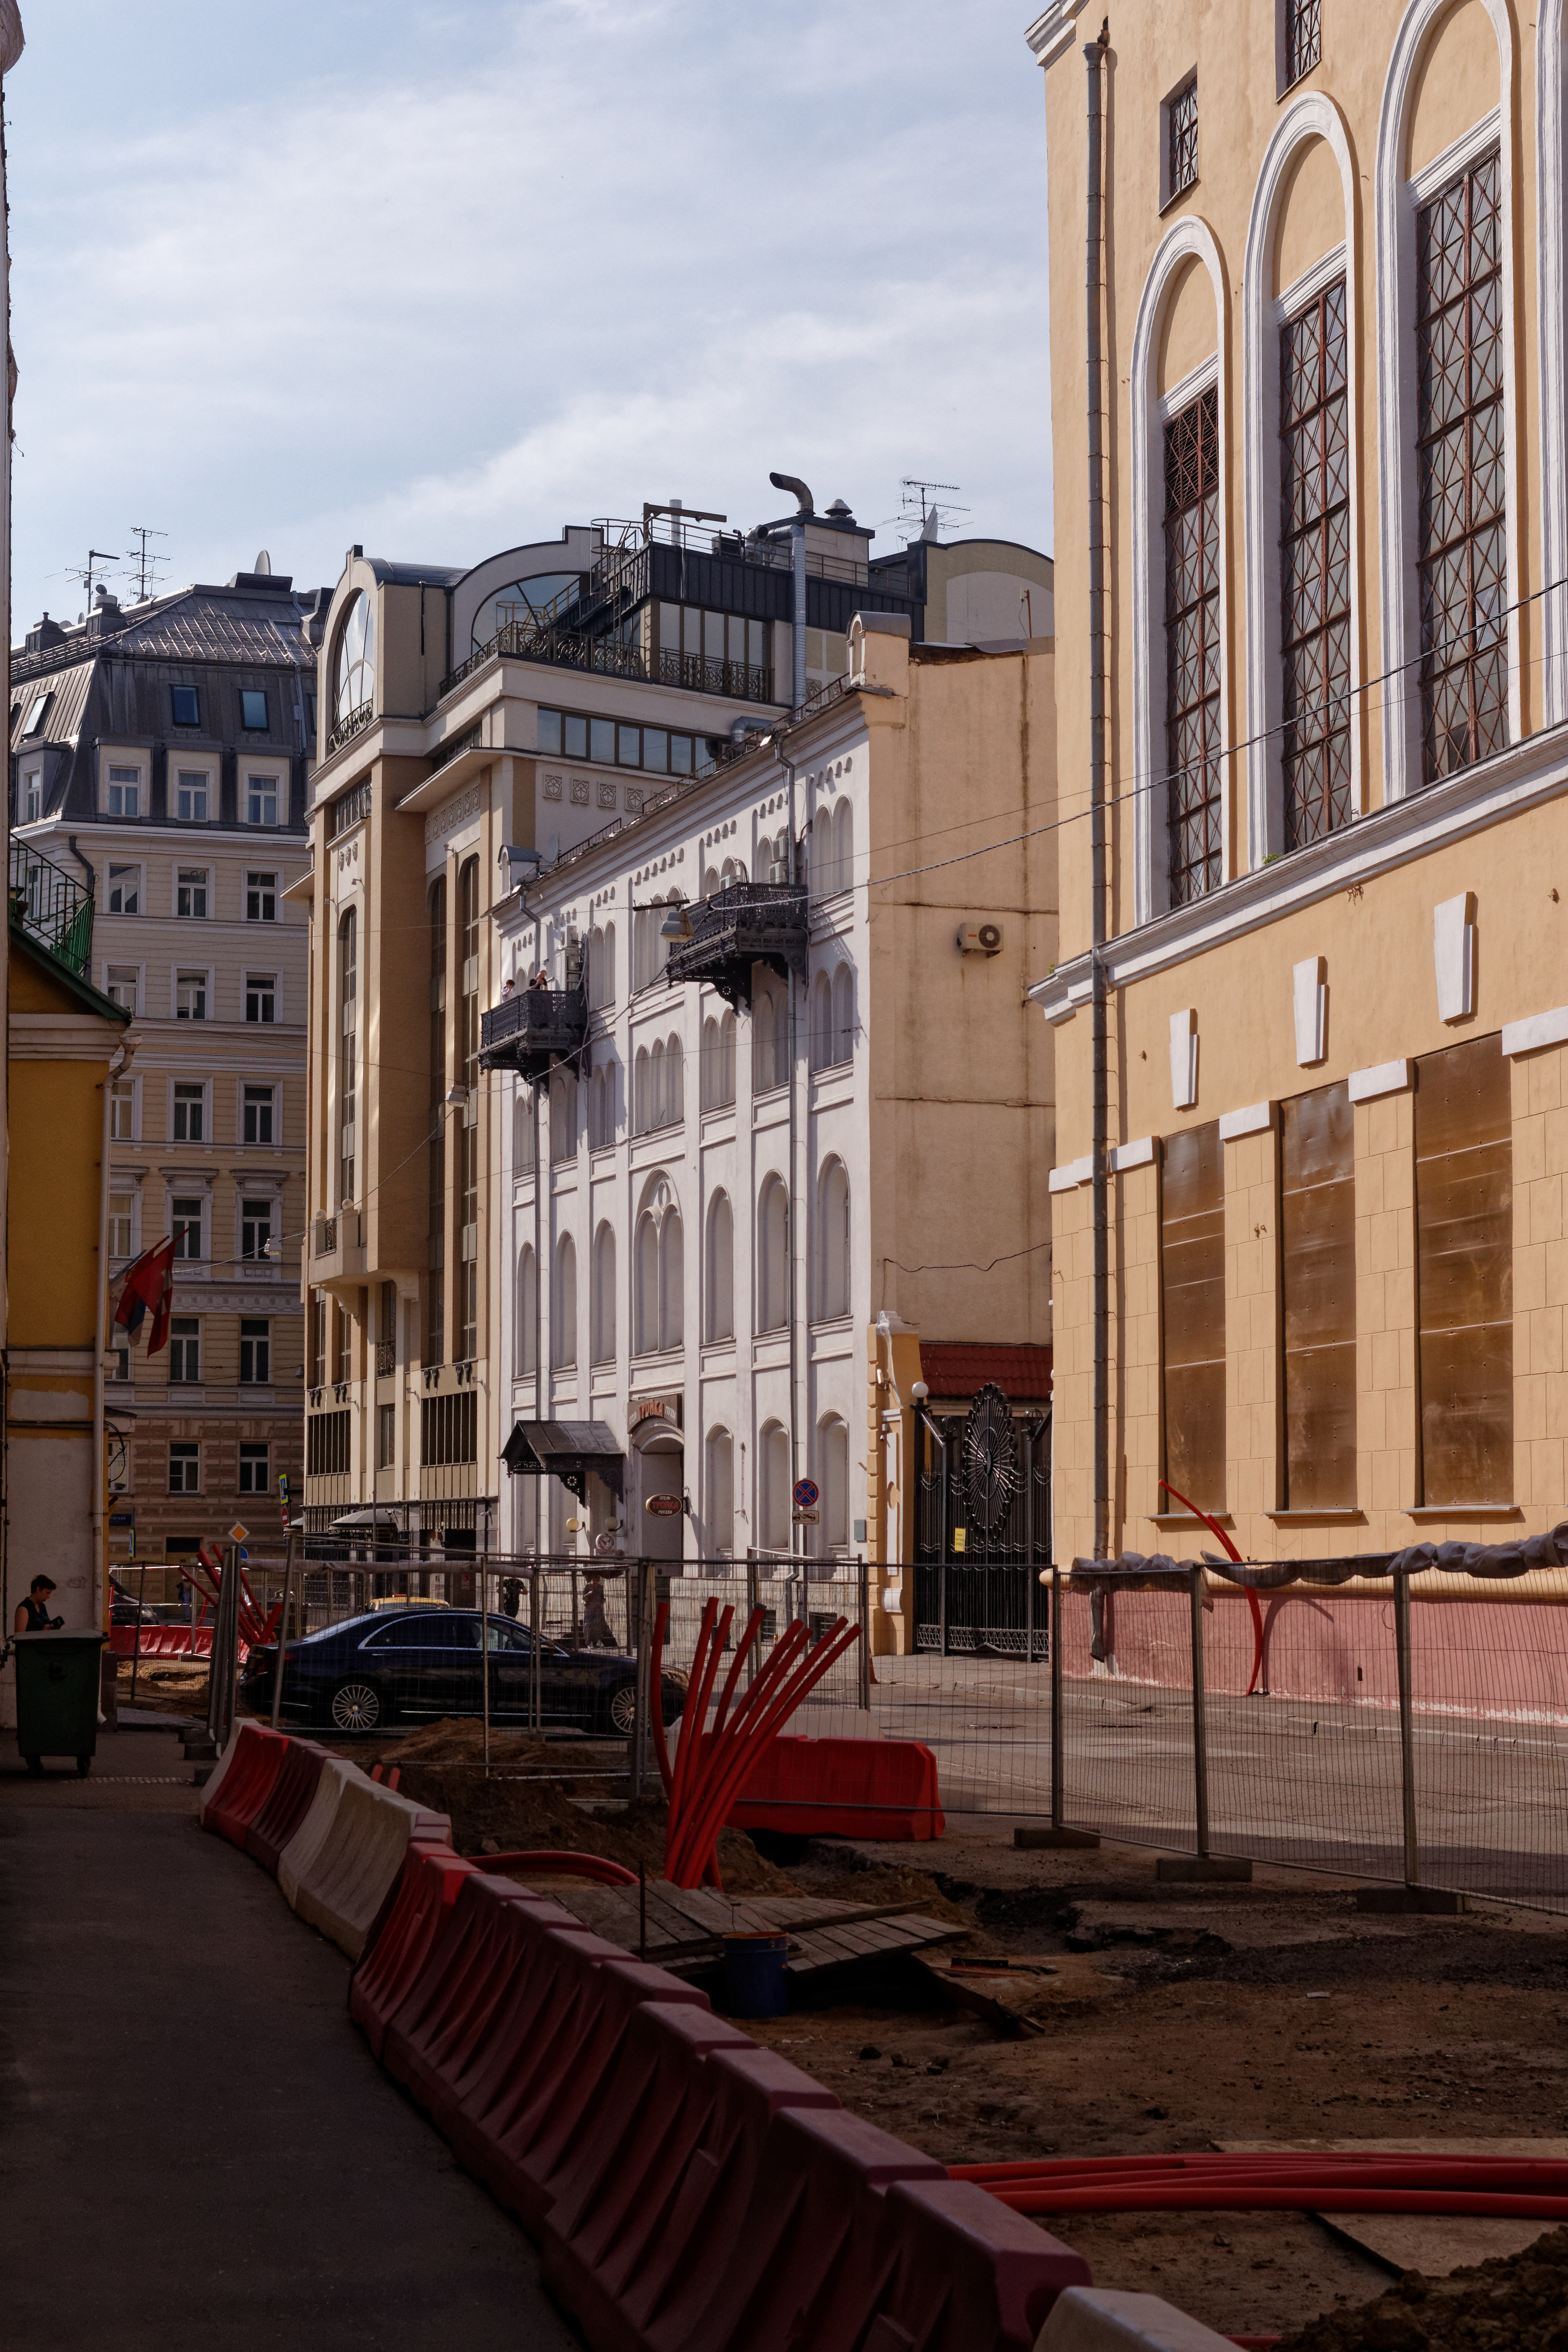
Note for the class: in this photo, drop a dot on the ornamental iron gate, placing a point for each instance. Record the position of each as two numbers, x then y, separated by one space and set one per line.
983 1530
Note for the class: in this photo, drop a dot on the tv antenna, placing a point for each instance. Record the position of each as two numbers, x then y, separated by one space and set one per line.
148 563
926 521
88 573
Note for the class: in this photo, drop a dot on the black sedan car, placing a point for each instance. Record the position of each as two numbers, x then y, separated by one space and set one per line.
414 1664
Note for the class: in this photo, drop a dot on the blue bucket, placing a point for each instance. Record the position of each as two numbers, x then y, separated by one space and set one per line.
755 1980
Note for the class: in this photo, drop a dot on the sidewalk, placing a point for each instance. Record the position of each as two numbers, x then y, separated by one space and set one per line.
195 2143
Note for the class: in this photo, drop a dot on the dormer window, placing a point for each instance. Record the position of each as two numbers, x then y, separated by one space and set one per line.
184 706
38 713
253 710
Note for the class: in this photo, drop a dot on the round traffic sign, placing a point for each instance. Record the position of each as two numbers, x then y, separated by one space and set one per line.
605 1545
806 1492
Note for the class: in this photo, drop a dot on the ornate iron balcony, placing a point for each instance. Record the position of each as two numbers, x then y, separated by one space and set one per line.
354 724
52 907
528 1031
737 928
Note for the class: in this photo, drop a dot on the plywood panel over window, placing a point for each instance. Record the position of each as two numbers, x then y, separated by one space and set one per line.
1192 1281
1464 1272
1316 1282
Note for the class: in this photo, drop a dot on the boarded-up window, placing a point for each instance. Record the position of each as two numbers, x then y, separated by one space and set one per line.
1317 1283
1464 1272
1192 1280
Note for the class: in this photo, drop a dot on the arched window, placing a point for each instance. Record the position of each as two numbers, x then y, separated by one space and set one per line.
655 1089
711 882
522 1132
844 1013
604 1295
608 966
596 963
822 1052
773 1257
348 1049
563 1116
674 1083
832 1477
770 1040
353 673
527 1308
640 1084
602 1106
719 1494
718 1285
833 1241
773 1478
564 1307
844 847
727 1058
709 1050
659 1273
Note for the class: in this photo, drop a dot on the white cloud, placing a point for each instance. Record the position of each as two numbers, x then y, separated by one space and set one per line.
518 265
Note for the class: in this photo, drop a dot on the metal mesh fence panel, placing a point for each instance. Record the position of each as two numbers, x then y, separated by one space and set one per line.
1489 1686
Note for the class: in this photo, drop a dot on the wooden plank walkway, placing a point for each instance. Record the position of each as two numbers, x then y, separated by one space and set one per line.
679 1916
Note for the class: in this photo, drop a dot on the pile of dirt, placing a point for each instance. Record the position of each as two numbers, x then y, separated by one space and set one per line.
1520 2302
542 1814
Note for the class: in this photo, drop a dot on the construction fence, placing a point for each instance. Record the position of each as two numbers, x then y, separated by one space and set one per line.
1385 1736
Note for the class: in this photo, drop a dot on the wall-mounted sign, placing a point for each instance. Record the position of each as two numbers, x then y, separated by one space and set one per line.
663 1506
604 1546
656 1407
807 1518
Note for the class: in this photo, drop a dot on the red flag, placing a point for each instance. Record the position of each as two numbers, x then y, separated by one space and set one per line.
149 1282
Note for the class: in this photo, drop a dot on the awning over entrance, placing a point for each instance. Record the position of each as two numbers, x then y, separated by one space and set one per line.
566 1450
367 1519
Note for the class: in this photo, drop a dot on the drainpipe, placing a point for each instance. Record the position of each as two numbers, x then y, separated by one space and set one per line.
539 1500
120 1062
1094 53
796 1190
797 569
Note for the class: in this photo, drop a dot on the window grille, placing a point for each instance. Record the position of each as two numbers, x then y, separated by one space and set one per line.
448 1429
1181 138
1315 569
1303 37
326 1445
1459 456
1192 647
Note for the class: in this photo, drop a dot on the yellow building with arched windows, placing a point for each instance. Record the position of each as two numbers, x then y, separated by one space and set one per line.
1328 274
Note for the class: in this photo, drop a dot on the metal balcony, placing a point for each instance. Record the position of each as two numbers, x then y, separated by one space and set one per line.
748 924
52 907
528 1031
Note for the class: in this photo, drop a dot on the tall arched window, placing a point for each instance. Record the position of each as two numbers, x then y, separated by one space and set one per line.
719 1273
833 1241
709 1050
833 1476
602 1106
822 1053
674 1083
564 1307
727 1059
657 1115
719 1494
604 1295
522 1132
844 845
770 1040
773 1478
353 674
844 1013
773 1257
563 1116
348 1049
641 1081
659 1273
527 1308
608 966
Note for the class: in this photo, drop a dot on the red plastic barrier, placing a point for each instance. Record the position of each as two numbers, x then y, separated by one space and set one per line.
844 1787
286 1806
950 2280
249 1784
668 2279
399 1944
450 2024
528 2142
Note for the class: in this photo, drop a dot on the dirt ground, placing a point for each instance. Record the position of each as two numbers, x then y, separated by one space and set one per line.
1180 2017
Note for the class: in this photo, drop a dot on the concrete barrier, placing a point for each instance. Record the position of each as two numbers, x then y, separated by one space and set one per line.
340 1887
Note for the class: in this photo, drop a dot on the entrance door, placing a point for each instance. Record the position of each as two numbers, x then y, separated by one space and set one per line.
990 1477
662 1535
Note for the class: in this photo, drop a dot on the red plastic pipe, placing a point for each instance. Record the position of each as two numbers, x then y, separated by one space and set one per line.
557 1862
1219 1534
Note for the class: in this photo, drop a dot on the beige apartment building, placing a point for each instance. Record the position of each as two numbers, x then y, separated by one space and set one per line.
159 757
481 727
1329 381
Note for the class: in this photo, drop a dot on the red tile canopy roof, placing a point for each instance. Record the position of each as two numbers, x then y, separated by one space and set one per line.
961 1368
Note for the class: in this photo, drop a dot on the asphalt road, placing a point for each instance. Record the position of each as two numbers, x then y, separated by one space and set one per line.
195 2146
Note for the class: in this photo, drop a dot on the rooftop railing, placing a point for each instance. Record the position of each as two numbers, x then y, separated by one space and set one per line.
52 907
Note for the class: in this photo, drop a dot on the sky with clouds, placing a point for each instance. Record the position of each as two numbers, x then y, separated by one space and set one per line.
440 278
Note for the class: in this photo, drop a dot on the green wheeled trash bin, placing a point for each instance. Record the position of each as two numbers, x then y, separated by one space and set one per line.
56 1697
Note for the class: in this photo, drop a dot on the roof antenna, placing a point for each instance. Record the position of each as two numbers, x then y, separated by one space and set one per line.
148 562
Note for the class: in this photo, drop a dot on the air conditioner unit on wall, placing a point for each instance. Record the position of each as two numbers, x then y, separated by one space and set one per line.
980 938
